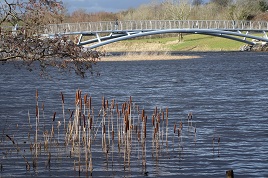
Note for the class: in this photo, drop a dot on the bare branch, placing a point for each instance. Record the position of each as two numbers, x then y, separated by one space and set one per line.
23 41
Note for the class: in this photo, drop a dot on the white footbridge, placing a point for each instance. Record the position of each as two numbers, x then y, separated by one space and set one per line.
96 34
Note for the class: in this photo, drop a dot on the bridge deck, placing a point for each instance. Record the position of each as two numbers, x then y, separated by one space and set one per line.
109 26
109 31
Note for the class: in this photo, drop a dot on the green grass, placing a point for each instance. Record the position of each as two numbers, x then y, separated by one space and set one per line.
195 42
205 42
190 42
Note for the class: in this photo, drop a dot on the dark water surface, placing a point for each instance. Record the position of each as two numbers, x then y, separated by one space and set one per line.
226 92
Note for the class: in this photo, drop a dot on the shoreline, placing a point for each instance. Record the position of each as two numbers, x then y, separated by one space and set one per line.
151 55
147 57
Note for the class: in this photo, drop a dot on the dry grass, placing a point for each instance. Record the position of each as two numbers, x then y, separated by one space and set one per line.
133 46
140 50
146 56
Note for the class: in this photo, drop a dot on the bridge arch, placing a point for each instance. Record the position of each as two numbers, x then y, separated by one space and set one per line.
124 35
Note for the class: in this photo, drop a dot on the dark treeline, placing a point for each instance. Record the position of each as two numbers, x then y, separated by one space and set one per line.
182 10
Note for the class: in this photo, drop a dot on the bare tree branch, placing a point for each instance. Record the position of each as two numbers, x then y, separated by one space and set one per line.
21 24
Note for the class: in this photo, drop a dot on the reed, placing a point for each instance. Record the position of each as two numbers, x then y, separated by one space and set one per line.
63 110
219 139
118 130
174 132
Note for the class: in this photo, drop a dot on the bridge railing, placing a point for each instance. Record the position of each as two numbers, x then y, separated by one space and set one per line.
156 25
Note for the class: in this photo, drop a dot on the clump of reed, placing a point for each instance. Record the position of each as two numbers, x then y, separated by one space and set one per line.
122 131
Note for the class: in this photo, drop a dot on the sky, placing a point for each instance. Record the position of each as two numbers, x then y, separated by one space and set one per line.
103 5
106 5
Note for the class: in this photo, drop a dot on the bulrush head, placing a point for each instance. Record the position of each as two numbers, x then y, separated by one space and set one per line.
112 104
155 111
90 102
158 118
62 97
91 123
36 95
36 111
85 99
167 112
107 104
54 116
153 120
103 102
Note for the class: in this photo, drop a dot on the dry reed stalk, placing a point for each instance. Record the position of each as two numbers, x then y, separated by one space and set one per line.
213 144
29 119
86 147
125 150
112 123
219 139
195 134
85 103
104 139
130 128
79 150
48 160
191 119
27 164
162 130
91 164
43 109
181 126
179 135
90 103
63 113
35 163
89 131
167 128
46 139
154 133
109 123
174 135
58 127
144 140
153 139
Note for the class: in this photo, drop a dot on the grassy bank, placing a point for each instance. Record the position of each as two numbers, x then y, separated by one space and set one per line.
190 42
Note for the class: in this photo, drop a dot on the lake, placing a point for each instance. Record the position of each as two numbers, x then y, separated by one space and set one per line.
226 92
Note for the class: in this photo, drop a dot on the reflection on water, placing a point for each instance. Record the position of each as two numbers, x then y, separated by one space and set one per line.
226 92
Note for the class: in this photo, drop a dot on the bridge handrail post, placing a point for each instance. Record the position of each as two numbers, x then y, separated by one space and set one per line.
174 24
200 24
129 25
90 25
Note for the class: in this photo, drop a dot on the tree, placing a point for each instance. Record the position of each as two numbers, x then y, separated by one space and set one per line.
245 9
177 9
263 5
197 2
221 3
22 23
